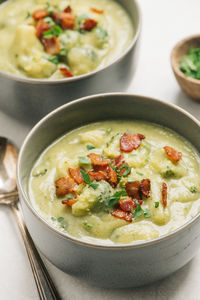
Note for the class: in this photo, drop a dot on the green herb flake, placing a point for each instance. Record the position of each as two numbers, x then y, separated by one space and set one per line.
63 52
28 15
55 31
113 167
116 197
157 204
108 130
84 160
138 211
49 8
60 219
193 189
146 213
141 174
86 177
127 171
90 147
87 225
168 173
53 219
40 173
94 185
52 58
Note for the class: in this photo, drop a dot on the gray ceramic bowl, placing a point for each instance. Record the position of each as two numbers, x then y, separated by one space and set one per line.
120 265
21 95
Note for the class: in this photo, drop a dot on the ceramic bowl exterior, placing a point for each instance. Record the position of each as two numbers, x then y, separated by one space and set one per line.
119 265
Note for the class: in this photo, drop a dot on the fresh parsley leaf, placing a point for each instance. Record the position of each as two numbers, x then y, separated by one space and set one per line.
193 189
113 167
138 211
116 197
108 130
168 173
94 185
28 15
84 160
127 171
146 213
87 225
190 63
90 147
55 31
63 52
157 204
141 174
52 58
60 219
53 218
86 177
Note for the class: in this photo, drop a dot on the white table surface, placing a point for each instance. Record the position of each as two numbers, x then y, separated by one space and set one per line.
164 23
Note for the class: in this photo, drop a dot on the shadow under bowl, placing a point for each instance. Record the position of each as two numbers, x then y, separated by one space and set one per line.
190 86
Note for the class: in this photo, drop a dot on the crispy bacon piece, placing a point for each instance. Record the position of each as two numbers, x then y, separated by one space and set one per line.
40 14
172 153
145 187
97 160
133 189
118 161
41 27
112 176
164 194
69 202
130 142
98 176
68 9
126 203
66 72
76 175
118 213
52 45
66 19
64 185
88 24
97 11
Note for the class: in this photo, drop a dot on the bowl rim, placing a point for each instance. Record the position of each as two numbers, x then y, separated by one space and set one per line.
83 76
68 237
175 64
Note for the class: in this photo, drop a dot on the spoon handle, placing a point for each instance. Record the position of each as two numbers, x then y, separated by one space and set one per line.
45 286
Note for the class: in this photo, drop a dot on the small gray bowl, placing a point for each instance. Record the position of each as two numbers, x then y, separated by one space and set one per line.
20 95
129 265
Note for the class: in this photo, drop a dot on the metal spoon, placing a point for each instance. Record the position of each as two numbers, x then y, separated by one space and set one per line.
9 196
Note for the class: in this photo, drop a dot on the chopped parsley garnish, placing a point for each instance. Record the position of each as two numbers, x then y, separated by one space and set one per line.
113 167
60 219
63 52
40 173
141 174
28 15
138 211
193 189
52 58
190 63
116 197
55 31
84 160
146 213
157 204
90 147
168 173
108 130
53 218
87 180
49 8
87 225
127 171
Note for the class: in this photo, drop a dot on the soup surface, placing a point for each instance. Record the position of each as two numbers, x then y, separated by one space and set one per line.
117 182
61 38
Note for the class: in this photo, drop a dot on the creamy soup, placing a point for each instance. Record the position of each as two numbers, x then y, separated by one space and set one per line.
117 182
61 38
